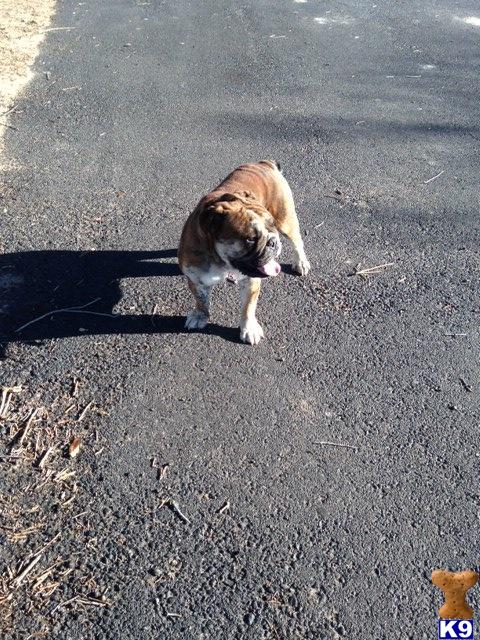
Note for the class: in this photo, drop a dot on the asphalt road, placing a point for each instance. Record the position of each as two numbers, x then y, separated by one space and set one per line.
134 113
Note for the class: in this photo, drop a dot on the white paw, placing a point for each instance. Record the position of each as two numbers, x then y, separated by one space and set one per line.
251 332
302 266
196 320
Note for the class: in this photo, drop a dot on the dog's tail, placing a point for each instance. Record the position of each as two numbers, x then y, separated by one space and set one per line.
274 164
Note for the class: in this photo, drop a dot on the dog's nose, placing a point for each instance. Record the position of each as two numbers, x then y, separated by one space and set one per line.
272 242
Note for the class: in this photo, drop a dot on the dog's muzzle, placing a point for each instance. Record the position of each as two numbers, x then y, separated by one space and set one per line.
262 265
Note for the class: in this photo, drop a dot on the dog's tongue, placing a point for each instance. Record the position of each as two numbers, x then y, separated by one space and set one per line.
271 268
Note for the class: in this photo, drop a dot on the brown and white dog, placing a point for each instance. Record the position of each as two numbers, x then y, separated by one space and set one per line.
234 231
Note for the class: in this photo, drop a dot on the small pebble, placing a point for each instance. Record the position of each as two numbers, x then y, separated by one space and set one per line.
249 619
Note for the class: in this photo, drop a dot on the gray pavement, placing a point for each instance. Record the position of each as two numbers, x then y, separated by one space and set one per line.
146 106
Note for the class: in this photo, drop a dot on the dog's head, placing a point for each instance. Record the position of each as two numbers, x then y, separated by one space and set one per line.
243 234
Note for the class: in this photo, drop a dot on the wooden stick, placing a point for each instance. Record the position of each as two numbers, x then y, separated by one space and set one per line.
92 600
335 444
176 509
44 457
162 471
27 570
5 393
63 604
57 29
43 576
75 385
48 544
434 177
15 106
66 310
4 411
26 429
6 397
9 126
226 507
373 270
84 412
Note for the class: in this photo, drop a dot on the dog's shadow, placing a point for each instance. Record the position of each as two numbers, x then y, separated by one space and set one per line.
76 293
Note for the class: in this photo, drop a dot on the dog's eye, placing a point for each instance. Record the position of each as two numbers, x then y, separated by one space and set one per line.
251 240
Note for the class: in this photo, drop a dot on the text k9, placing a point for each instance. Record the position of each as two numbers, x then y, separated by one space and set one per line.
450 629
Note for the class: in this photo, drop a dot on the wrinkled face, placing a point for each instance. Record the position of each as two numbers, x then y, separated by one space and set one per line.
247 238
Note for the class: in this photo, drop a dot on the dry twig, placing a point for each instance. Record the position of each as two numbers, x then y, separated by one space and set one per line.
9 126
63 604
44 457
335 444
84 412
93 601
20 436
6 397
173 506
48 544
15 106
434 177
66 310
226 507
20 536
75 385
370 271
23 574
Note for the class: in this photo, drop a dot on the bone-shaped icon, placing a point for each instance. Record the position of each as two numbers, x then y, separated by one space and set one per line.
455 587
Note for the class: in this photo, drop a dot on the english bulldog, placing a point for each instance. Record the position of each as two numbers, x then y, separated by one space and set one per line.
234 232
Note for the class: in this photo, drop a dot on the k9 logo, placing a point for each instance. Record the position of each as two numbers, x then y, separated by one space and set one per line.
448 629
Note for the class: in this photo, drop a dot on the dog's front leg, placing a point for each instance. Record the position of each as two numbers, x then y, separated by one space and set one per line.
198 318
250 329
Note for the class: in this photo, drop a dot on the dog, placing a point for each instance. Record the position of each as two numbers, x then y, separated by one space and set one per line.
234 232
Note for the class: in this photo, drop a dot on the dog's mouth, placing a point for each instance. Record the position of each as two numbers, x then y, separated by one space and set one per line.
269 269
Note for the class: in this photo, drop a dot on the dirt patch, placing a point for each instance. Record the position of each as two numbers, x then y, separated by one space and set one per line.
46 445
24 24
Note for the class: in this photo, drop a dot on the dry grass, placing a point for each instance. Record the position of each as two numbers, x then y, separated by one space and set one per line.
42 510
22 29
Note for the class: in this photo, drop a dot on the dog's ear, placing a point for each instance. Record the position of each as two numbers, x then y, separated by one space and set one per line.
212 220
238 196
213 216
227 197
226 203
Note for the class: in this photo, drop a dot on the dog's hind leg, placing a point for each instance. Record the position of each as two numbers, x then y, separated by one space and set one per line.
287 223
291 229
198 317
